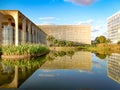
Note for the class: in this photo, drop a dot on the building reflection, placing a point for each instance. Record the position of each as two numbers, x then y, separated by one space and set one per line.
80 60
113 67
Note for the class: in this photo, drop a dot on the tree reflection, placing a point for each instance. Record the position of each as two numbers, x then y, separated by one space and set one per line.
101 56
53 54
25 67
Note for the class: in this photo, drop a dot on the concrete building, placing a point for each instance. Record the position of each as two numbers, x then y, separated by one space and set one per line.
113 67
76 33
16 29
80 60
113 24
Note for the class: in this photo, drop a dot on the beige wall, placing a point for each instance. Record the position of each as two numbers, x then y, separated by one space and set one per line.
75 33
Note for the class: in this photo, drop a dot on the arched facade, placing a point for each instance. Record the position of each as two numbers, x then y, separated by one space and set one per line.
16 29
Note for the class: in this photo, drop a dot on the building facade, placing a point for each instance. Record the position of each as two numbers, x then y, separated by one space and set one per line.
76 33
113 67
80 60
113 24
16 29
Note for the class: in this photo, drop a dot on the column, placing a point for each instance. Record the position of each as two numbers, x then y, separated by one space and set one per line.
1 31
29 32
33 32
24 30
16 30
35 35
38 36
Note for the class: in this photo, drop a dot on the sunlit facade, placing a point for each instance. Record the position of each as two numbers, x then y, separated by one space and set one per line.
113 24
76 33
16 29
113 67
80 60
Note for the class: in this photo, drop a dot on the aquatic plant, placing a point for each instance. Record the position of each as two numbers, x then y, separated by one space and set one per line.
24 63
26 49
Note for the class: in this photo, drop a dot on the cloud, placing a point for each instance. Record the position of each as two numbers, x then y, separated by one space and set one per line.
47 23
90 21
97 64
97 28
48 18
81 2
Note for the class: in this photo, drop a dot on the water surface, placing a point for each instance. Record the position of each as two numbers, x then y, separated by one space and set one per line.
63 71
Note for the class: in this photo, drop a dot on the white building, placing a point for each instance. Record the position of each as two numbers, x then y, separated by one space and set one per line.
113 24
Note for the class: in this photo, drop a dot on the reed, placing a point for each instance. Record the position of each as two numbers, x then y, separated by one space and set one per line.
26 49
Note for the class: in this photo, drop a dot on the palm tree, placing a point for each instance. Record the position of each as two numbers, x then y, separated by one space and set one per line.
50 40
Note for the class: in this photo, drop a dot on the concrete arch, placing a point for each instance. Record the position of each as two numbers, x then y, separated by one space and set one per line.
7 21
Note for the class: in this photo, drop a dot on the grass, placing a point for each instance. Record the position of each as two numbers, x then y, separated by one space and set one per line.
101 48
27 49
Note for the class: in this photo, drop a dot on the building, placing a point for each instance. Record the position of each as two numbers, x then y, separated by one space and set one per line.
113 24
76 33
113 67
15 28
80 60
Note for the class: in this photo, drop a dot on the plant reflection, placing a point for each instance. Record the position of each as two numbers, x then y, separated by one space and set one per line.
53 54
14 72
101 56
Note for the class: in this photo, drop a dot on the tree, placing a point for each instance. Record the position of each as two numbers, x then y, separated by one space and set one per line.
50 39
100 39
69 43
118 42
55 42
108 40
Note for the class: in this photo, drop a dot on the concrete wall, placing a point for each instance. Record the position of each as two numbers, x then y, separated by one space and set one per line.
76 33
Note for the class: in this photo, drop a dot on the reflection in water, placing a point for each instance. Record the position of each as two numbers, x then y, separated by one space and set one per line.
14 73
113 67
80 60
62 71
101 56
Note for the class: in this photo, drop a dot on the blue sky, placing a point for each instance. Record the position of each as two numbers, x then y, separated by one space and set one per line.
65 12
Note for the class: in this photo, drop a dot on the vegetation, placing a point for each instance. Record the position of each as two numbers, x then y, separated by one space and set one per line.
101 56
0 49
58 42
118 42
51 56
101 39
26 49
24 64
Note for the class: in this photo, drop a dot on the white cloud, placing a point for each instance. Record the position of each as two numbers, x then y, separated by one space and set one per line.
46 23
97 28
90 21
81 2
48 18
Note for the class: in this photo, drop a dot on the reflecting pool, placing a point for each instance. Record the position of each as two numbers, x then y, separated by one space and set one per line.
62 71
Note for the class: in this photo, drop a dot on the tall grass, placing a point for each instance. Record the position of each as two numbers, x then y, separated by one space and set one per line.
26 49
